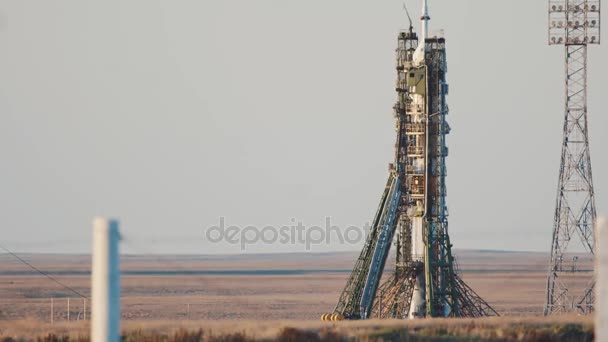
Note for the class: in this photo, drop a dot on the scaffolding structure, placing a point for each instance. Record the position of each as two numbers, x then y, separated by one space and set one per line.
413 208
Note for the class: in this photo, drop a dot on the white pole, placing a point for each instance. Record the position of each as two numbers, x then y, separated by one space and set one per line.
601 269
68 309
84 311
105 303
52 311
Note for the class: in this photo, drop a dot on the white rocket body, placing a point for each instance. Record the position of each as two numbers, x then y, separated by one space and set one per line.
418 301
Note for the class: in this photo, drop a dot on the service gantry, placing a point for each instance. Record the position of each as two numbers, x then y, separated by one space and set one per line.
413 209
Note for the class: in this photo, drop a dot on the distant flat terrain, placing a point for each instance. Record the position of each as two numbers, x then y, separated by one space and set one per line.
248 287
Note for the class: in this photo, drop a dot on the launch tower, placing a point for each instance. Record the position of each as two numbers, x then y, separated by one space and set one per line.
413 208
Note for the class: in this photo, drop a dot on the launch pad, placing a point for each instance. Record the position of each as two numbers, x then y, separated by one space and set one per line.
413 206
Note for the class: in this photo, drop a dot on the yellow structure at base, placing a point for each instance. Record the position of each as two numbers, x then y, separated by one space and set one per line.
332 317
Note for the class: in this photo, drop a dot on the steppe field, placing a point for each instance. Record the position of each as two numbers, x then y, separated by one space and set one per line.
256 295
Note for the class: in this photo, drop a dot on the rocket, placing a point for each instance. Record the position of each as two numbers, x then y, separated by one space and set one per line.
419 53
418 208
413 206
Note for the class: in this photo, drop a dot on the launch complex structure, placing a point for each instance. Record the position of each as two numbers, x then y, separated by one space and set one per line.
425 282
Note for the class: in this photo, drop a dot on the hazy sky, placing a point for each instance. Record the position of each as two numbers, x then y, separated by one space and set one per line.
170 114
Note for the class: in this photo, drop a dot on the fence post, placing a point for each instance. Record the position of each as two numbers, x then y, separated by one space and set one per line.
601 269
105 319
52 311
380 306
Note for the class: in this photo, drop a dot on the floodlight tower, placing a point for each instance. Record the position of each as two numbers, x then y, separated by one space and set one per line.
574 24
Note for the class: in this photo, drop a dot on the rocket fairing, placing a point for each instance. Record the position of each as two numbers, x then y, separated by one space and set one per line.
419 54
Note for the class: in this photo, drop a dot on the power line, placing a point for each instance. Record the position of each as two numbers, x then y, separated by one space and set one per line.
43 273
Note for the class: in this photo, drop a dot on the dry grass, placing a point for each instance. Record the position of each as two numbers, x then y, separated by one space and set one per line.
513 283
488 329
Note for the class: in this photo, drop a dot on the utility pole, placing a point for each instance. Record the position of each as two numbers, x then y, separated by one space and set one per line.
601 268
105 325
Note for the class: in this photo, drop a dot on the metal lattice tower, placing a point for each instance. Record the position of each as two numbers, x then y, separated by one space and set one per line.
574 24
413 207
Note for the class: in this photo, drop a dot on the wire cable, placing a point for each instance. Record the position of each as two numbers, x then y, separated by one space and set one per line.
43 273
